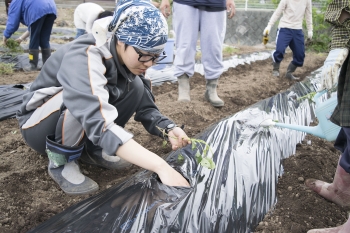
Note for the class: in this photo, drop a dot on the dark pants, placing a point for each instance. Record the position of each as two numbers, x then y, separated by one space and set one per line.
341 143
294 38
40 32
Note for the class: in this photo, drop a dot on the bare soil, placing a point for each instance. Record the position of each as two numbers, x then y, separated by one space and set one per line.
28 196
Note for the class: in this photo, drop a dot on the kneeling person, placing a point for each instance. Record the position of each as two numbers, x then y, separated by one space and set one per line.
79 104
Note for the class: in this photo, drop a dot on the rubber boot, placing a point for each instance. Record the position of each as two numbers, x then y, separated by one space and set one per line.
276 69
289 75
337 192
211 94
64 169
33 60
184 88
345 228
94 155
46 53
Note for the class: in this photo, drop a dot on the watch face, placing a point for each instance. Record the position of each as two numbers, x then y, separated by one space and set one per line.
170 126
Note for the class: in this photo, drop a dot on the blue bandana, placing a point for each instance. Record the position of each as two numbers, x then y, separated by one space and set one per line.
140 24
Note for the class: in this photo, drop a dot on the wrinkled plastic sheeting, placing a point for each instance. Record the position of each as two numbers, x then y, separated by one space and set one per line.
165 72
10 99
234 197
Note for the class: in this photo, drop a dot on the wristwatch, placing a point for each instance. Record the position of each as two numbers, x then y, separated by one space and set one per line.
170 127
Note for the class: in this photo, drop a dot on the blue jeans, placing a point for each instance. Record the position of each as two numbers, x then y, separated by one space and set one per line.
80 32
294 38
40 32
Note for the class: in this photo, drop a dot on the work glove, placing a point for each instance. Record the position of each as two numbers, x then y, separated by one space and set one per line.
309 35
331 68
267 30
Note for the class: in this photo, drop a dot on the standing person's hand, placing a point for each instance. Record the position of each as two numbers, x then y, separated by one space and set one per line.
19 40
165 8
309 35
231 8
267 30
4 40
178 138
331 67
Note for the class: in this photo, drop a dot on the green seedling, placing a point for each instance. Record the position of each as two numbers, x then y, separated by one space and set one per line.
13 46
309 97
6 68
196 144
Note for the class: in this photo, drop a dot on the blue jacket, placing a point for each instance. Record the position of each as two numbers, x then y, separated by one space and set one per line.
27 12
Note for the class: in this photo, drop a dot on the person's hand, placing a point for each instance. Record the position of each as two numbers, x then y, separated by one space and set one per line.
165 8
178 138
4 40
331 67
309 34
156 4
19 40
169 176
231 8
267 30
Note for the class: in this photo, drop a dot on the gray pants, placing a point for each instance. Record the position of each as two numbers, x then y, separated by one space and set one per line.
187 22
52 119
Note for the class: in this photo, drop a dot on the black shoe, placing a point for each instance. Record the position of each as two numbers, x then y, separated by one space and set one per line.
114 163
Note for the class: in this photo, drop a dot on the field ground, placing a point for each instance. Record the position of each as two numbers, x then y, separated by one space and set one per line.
28 196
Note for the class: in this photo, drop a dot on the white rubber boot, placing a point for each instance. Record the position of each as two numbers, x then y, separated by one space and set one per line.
211 95
184 88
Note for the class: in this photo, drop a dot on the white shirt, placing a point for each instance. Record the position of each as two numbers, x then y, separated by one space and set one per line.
85 14
294 12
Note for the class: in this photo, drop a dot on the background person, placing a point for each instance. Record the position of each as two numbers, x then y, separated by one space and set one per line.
90 104
190 17
85 14
39 16
290 33
338 14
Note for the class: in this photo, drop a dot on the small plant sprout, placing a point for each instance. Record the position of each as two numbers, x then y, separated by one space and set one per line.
204 159
309 97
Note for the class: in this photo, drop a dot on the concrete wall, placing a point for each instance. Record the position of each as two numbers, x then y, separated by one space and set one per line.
246 27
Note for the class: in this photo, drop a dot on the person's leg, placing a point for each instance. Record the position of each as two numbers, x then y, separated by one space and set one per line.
35 29
80 32
339 190
45 34
298 48
186 26
129 104
212 35
283 38
60 136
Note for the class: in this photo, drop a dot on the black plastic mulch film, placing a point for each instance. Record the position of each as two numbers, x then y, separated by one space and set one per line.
234 197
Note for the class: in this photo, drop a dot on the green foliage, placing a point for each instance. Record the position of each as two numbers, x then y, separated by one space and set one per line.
202 149
229 50
13 46
321 30
309 97
6 68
